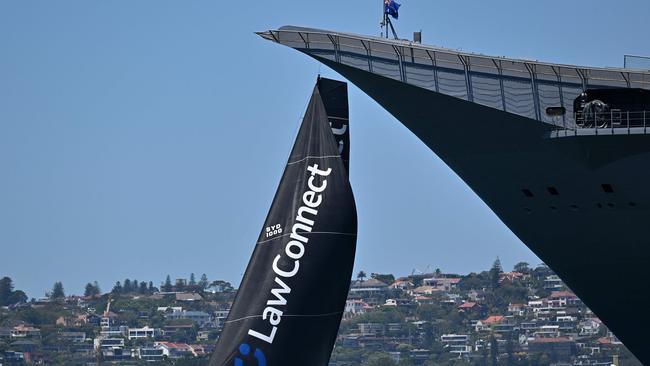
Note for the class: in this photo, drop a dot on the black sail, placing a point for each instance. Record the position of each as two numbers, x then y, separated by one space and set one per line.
291 299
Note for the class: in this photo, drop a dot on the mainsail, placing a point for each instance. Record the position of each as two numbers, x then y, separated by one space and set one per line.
291 299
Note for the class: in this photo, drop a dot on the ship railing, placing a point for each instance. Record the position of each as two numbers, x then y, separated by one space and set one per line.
613 122
612 119
522 87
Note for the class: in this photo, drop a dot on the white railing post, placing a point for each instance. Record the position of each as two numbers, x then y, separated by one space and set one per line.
644 124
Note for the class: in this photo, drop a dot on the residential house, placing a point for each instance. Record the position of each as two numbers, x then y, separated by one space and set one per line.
589 327
424 290
25 331
547 331
442 283
368 288
558 349
553 282
144 332
74 337
371 329
188 296
516 309
563 299
456 343
510 277
201 318
402 284
151 354
476 295
354 307
487 323
174 350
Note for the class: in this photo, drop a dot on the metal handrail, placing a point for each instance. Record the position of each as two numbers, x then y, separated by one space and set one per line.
612 119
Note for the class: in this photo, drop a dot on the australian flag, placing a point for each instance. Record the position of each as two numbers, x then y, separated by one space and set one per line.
391 8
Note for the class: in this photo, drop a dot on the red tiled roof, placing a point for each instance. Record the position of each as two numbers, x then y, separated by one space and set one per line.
559 294
467 305
493 319
171 345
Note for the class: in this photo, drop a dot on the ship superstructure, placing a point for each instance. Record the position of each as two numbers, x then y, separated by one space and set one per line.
560 153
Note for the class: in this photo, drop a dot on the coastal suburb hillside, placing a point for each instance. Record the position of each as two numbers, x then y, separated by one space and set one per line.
523 317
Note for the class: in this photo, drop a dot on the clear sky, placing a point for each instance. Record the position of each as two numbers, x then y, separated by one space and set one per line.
146 138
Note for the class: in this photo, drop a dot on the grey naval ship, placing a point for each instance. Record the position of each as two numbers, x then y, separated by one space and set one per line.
560 153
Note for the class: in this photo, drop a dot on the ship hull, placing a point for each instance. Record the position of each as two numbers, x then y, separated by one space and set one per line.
597 241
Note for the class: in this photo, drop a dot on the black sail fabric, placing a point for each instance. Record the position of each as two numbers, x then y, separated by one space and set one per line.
291 299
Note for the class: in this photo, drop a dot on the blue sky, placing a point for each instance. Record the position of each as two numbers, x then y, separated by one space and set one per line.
140 139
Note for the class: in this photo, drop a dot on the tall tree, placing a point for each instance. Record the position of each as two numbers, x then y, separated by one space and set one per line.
91 290
495 273
192 280
494 351
522 267
6 289
203 282
361 276
117 289
57 291
17 297
151 289
143 288
126 288
180 285
167 287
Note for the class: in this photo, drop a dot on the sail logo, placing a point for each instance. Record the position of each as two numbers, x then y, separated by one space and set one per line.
294 250
272 230
338 135
245 350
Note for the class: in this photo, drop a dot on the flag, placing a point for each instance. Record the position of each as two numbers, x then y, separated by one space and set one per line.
391 8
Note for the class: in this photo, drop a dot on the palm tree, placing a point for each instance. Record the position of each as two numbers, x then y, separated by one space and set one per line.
361 276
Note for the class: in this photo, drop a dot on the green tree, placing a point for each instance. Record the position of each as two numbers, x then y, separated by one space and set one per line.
192 280
495 273
510 350
6 289
361 276
203 282
179 286
57 291
92 289
225 286
385 278
126 288
494 351
522 267
143 288
151 289
379 359
17 297
117 289
167 287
